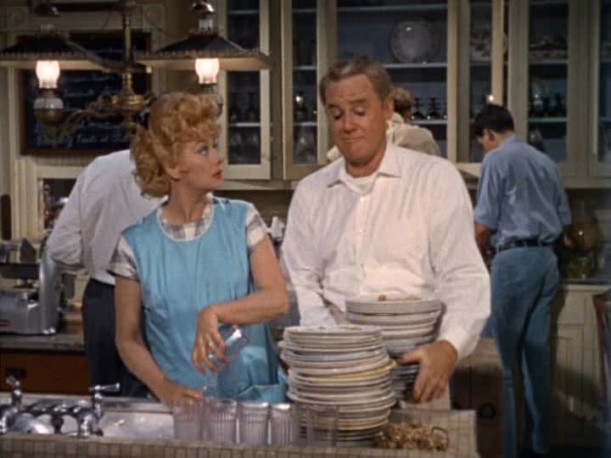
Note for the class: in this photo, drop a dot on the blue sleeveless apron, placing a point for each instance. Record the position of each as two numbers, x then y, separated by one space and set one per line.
179 278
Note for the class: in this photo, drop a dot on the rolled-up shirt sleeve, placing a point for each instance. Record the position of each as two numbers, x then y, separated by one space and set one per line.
462 281
489 191
65 244
301 263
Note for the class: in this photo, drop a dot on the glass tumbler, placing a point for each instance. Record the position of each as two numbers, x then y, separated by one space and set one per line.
187 417
318 424
235 339
284 425
220 420
253 420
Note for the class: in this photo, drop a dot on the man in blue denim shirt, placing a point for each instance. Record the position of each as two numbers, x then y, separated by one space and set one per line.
521 210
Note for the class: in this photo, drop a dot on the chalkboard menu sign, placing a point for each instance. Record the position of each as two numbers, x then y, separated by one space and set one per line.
77 89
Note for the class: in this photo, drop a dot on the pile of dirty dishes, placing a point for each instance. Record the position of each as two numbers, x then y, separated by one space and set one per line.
406 323
344 368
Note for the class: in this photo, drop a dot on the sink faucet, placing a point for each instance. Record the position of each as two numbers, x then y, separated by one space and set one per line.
9 412
87 418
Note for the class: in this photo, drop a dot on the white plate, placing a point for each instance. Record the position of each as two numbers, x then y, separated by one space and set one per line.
429 318
350 370
356 405
372 305
331 350
298 354
331 383
339 330
351 364
413 42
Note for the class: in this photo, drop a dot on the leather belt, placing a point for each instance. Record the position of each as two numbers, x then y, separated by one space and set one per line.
521 243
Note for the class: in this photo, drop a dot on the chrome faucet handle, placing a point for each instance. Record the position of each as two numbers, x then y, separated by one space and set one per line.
96 396
10 412
16 393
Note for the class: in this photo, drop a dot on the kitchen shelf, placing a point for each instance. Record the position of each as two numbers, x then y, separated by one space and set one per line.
548 120
429 65
430 122
245 124
442 8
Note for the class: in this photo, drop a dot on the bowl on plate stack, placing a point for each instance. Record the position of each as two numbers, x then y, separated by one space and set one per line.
344 367
406 323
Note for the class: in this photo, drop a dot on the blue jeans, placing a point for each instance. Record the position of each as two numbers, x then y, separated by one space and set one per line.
524 282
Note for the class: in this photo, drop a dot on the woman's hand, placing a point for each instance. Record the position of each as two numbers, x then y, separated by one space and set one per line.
171 393
208 341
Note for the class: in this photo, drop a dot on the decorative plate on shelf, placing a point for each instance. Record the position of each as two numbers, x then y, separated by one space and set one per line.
413 42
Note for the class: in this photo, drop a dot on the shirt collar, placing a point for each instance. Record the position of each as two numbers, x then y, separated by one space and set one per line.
388 167
507 141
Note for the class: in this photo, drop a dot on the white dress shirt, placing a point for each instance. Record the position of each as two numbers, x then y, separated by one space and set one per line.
105 200
408 232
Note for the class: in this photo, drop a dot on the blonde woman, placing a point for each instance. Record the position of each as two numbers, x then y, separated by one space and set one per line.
196 263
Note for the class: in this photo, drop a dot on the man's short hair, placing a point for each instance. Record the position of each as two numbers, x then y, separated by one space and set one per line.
372 69
493 117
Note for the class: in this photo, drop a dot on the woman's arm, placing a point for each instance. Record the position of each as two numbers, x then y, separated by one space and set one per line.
132 349
269 301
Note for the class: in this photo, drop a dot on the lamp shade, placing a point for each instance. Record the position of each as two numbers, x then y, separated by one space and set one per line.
182 55
47 72
50 46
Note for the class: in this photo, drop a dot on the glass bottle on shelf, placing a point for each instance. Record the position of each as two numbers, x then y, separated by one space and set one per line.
559 109
234 109
252 111
417 115
433 112
301 111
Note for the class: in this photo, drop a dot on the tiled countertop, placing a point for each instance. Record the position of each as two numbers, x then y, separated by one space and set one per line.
60 342
26 446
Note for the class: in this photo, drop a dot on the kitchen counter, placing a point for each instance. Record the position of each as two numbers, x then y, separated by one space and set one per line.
22 446
60 342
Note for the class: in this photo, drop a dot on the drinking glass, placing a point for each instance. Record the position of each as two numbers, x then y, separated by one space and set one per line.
235 339
187 415
284 424
253 422
318 424
220 420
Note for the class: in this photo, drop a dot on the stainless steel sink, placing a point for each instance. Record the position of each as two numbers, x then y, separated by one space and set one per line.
127 418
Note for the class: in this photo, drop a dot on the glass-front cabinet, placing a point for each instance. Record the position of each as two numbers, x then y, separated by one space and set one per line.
600 84
549 61
246 141
548 77
410 39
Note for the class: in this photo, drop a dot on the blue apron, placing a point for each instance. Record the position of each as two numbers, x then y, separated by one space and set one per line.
179 278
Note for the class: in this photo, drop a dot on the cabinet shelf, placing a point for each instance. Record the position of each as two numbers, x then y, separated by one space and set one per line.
304 68
430 122
304 11
430 65
442 8
550 120
305 124
244 124
243 13
548 62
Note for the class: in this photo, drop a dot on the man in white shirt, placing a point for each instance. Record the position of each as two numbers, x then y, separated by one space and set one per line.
105 200
385 220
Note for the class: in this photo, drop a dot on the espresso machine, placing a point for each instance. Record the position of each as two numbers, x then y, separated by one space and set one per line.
30 289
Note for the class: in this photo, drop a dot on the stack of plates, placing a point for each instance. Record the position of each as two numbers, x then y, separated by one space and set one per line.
346 367
406 324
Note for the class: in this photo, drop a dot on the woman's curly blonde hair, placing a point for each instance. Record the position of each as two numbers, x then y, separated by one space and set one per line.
174 119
